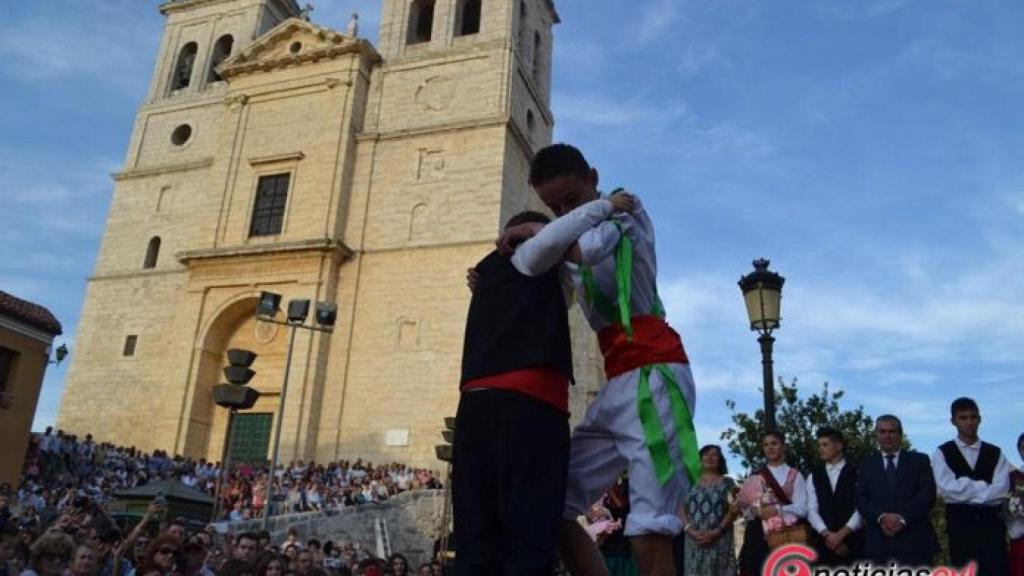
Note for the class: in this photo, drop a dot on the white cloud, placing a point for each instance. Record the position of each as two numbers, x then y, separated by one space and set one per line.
656 18
99 41
696 57
606 112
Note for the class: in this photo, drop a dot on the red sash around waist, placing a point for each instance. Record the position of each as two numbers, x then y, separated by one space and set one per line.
545 384
654 342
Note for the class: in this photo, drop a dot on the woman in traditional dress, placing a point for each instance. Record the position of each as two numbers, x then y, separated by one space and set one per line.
708 517
1017 519
773 498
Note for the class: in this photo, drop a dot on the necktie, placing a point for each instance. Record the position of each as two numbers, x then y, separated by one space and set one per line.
890 470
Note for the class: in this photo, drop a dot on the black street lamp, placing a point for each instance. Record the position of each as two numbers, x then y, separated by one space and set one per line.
762 292
298 310
60 353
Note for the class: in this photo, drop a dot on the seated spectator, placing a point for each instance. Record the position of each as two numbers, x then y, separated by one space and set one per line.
291 552
177 528
292 539
245 547
270 564
235 567
399 565
213 561
83 562
8 551
50 555
138 552
303 564
161 557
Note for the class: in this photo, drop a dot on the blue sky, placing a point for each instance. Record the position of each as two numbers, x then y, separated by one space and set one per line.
872 149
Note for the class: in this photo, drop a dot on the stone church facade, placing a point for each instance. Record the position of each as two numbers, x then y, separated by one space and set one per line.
274 154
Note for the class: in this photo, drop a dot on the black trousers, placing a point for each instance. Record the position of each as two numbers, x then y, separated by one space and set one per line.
977 533
511 456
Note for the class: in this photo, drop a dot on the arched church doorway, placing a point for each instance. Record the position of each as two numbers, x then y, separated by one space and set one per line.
235 326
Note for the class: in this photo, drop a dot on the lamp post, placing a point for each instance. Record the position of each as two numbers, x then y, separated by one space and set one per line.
762 292
60 353
298 310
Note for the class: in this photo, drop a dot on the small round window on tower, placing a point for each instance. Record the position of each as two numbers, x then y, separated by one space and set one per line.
295 47
181 135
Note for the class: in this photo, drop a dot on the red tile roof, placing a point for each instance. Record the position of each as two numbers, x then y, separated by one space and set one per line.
32 314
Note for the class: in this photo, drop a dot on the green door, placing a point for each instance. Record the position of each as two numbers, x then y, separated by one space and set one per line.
250 437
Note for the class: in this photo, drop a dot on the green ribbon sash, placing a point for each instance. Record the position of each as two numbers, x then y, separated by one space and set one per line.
621 313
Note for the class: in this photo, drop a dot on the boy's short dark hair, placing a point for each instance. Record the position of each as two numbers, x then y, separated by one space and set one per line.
962 404
777 434
832 434
527 216
557 160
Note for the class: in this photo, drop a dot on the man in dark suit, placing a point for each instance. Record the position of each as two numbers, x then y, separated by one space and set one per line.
895 494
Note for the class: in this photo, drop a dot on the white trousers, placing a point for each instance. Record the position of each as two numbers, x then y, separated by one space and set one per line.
610 441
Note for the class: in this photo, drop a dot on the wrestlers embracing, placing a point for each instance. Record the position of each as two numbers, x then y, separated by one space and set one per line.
642 421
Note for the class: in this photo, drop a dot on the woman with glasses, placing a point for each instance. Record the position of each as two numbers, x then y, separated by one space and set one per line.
50 555
161 557
138 552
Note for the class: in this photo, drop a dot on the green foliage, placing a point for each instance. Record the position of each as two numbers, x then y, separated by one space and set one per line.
799 419
938 517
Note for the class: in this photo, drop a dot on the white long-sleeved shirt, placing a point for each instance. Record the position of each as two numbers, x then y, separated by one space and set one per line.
798 507
964 490
813 510
597 236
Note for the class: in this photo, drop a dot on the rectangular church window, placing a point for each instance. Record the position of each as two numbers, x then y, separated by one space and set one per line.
268 212
129 345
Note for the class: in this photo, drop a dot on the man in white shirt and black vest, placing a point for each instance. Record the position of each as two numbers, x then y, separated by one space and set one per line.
973 478
832 503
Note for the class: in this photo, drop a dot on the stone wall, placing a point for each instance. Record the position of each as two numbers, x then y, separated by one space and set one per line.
413 519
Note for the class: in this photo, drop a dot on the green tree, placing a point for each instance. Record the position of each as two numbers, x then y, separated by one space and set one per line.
799 419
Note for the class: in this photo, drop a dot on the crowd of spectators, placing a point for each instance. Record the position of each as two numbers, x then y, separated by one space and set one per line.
56 522
84 541
59 467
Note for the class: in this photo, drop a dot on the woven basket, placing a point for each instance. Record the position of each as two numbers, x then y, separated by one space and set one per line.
795 534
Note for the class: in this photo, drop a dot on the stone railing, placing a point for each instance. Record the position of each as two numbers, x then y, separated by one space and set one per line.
413 520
